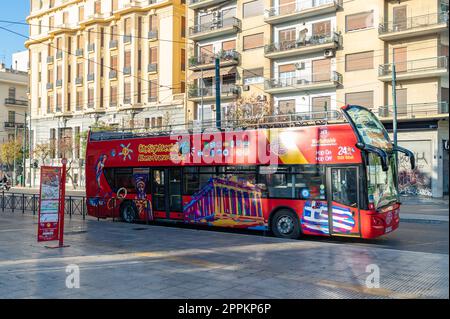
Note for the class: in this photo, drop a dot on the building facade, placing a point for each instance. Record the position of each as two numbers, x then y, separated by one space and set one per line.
312 56
112 62
13 110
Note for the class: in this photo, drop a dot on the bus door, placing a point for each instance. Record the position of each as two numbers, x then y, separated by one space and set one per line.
166 192
343 200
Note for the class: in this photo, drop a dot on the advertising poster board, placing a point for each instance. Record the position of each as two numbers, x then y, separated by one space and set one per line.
49 203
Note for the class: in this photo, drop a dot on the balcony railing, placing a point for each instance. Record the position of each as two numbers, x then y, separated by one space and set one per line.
152 67
413 23
91 47
113 74
152 35
113 44
90 77
224 56
127 100
79 52
298 81
50 59
79 80
58 83
127 38
49 86
414 110
59 55
420 65
215 25
309 41
298 7
208 91
13 125
127 70
12 101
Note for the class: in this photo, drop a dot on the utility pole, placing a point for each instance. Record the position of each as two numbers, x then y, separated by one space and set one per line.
394 100
218 107
201 98
14 152
24 142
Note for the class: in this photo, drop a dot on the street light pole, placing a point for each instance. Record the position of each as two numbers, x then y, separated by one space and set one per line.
14 154
394 100
24 142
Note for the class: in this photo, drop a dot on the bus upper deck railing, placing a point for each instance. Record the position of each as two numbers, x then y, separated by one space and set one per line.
250 122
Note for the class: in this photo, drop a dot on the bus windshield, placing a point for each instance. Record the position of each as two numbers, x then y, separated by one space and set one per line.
382 190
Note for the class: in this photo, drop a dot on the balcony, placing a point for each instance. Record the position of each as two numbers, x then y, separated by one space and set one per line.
152 99
91 47
315 43
113 44
59 55
199 4
226 58
214 29
79 80
49 86
127 100
58 83
414 69
127 38
152 35
300 9
415 111
152 67
15 102
79 52
14 125
208 93
50 59
112 74
90 77
295 84
413 26
127 70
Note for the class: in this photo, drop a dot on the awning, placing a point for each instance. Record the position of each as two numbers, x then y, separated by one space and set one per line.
212 73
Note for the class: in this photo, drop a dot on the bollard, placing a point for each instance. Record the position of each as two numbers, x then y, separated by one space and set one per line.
23 204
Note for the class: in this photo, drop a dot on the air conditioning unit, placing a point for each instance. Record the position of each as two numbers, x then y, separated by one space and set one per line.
300 65
246 88
329 53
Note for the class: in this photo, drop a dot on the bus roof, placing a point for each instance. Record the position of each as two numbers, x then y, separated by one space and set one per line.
266 122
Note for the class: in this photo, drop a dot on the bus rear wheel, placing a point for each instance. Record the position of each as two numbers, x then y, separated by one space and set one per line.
285 224
128 212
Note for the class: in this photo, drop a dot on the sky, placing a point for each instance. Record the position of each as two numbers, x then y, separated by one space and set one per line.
12 10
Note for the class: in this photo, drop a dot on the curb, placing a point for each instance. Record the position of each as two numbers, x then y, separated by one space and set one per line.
412 218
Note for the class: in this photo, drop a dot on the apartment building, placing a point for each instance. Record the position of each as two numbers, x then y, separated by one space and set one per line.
116 62
312 56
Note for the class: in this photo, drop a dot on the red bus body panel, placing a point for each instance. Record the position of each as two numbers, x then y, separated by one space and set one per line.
236 204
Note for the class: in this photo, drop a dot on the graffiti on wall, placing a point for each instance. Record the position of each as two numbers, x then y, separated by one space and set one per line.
416 181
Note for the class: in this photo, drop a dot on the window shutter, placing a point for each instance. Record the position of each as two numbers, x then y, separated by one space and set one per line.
253 41
360 98
359 61
359 21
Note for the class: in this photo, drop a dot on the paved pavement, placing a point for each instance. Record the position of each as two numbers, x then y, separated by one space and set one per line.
119 260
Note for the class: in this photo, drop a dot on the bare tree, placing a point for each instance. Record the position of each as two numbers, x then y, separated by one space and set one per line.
248 111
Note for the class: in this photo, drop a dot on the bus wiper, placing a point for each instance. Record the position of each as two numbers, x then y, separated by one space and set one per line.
408 153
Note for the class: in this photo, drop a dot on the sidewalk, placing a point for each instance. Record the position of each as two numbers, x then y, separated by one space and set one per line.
420 209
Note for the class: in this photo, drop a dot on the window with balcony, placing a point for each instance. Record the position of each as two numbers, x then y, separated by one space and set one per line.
400 58
11 116
253 76
12 93
152 91
113 95
320 105
58 102
50 104
90 97
286 107
127 63
79 97
359 61
286 73
359 21
127 92
113 71
321 70
320 29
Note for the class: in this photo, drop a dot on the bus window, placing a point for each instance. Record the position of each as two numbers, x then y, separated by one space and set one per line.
309 182
124 178
191 180
344 186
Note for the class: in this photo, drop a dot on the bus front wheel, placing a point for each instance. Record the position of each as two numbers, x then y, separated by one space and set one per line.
285 224
128 212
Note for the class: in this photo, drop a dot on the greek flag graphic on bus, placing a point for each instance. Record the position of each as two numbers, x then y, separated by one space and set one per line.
315 218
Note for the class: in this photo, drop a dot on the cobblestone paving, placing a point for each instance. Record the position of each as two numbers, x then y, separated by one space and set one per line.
118 260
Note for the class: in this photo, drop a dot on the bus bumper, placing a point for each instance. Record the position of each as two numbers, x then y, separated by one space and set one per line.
376 224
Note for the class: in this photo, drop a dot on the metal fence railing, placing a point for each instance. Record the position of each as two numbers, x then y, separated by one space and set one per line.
29 203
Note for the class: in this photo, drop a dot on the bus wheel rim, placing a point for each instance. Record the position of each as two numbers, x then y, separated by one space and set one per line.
285 225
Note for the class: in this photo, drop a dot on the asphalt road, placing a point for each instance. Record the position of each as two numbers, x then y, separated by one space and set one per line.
421 236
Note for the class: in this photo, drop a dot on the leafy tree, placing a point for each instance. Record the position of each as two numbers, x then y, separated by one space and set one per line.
9 151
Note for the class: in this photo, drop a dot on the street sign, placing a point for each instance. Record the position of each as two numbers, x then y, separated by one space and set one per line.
64 161
49 203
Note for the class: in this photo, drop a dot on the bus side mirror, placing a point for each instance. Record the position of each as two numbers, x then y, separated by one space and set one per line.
382 154
408 153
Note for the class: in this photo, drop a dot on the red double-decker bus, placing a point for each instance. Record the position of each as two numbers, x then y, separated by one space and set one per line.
307 176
